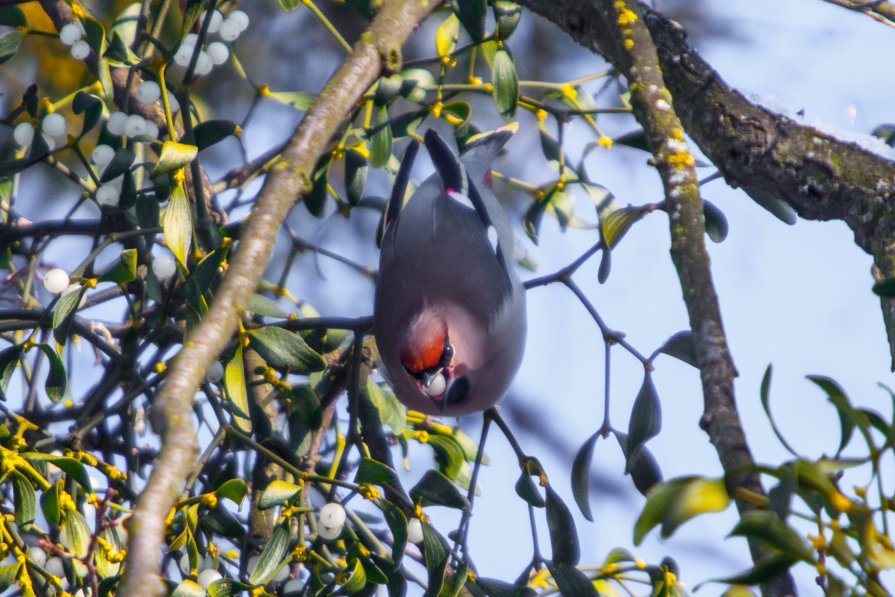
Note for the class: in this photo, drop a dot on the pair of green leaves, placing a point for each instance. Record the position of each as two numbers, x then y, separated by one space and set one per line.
644 423
56 381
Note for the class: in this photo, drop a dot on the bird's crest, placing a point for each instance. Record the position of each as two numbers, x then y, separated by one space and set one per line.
482 149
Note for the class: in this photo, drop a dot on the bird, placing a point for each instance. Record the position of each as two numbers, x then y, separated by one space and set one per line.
449 312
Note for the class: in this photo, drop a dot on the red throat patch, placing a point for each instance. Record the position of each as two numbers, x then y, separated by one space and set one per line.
424 350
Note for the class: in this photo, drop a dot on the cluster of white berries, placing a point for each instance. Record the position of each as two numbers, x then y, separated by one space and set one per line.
131 126
330 520
208 572
134 125
53 129
72 35
229 28
109 193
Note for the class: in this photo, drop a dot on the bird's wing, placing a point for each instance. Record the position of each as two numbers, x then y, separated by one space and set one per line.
455 178
450 168
396 200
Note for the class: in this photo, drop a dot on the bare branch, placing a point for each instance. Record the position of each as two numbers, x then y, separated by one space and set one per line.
878 10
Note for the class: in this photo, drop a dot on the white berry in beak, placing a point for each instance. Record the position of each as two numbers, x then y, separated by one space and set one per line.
437 386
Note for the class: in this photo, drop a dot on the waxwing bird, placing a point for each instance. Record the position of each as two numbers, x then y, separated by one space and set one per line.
449 314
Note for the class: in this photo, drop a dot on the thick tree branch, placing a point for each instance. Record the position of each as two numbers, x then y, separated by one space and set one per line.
264 471
820 176
878 10
379 47
615 28
767 154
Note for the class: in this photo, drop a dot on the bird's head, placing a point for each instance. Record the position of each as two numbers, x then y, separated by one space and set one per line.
429 356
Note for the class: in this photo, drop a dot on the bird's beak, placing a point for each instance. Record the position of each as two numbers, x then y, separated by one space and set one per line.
428 378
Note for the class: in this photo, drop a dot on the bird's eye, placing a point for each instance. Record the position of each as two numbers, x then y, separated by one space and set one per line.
447 354
436 387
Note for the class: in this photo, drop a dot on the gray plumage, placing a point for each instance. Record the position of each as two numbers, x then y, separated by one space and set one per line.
441 266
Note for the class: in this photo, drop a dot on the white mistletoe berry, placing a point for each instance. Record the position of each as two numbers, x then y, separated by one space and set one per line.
56 280
173 103
38 555
102 155
23 134
332 514
148 92
50 141
134 125
215 372
415 531
53 125
183 54
54 567
150 129
80 50
240 19
229 30
219 52
184 564
164 266
115 125
208 576
216 19
108 195
204 64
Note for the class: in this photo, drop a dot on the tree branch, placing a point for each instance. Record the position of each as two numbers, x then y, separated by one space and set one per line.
379 47
615 28
264 472
878 10
769 154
